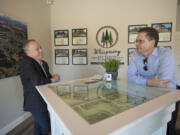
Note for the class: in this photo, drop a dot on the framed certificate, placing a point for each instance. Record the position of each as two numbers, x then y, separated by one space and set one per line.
79 36
133 32
165 31
61 37
167 47
130 52
79 57
62 56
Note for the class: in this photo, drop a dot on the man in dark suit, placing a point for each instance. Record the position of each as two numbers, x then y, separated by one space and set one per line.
34 71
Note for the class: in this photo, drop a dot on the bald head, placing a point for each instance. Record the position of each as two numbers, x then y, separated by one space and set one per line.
33 49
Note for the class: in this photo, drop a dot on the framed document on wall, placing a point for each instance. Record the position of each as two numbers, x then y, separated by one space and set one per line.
130 52
61 37
133 32
165 31
62 56
79 57
168 47
79 36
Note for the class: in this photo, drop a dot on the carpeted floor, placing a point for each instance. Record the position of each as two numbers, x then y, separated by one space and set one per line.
25 128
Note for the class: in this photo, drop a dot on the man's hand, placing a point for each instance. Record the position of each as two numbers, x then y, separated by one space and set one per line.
55 78
156 82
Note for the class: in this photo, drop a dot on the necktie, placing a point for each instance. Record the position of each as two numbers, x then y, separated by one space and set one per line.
41 63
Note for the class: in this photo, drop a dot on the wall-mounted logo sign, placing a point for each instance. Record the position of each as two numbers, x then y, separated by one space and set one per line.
100 55
107 36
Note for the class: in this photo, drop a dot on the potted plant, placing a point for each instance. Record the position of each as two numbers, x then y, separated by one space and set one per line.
111 66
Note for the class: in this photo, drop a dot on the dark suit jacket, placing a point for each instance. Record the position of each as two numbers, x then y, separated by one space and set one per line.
31 75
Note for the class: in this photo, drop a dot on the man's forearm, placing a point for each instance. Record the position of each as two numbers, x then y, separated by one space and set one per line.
157 83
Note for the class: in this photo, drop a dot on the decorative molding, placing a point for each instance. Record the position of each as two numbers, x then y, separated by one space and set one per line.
13 124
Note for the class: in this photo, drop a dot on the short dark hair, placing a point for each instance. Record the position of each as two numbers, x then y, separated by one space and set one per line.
25 46
151 34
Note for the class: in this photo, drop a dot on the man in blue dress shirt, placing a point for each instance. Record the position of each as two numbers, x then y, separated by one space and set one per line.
153 66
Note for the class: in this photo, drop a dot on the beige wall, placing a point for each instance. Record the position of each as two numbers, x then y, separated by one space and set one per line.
177 47
37 15
69 14
93 14
177 50
178 17
177 39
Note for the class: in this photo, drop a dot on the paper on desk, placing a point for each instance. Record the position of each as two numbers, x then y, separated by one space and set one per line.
96 77
93 79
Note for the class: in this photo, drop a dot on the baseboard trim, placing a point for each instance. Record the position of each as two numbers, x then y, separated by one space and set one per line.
15 123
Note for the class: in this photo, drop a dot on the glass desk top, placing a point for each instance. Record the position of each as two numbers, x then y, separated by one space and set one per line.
98 100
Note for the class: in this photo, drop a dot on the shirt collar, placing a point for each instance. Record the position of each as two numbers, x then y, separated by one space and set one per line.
39 61
155 52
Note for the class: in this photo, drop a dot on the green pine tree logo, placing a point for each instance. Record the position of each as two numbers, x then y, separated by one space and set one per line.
103 39
107 36
107 39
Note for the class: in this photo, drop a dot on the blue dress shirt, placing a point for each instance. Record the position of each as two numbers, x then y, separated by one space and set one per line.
162 60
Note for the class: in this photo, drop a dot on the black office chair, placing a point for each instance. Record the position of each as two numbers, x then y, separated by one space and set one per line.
178 87
172 123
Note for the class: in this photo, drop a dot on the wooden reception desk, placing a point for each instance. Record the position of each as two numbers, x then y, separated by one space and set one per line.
119 107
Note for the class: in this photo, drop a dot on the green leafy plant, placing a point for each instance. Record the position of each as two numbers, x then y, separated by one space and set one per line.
111 65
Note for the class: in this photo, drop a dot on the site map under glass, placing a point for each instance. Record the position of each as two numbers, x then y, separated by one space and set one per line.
99 100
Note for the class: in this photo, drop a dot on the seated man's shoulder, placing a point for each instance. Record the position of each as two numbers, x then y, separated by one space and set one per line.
165 51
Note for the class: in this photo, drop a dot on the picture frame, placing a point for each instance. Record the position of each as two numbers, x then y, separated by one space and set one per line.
167 47
130 53
79 57
13 35
61 37
133 32
79 36
165 31
62 56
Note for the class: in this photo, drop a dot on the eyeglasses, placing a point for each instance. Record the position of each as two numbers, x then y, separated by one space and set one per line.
139 41
145 64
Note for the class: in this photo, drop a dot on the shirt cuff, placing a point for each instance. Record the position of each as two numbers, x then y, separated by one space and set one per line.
53 81
144 81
